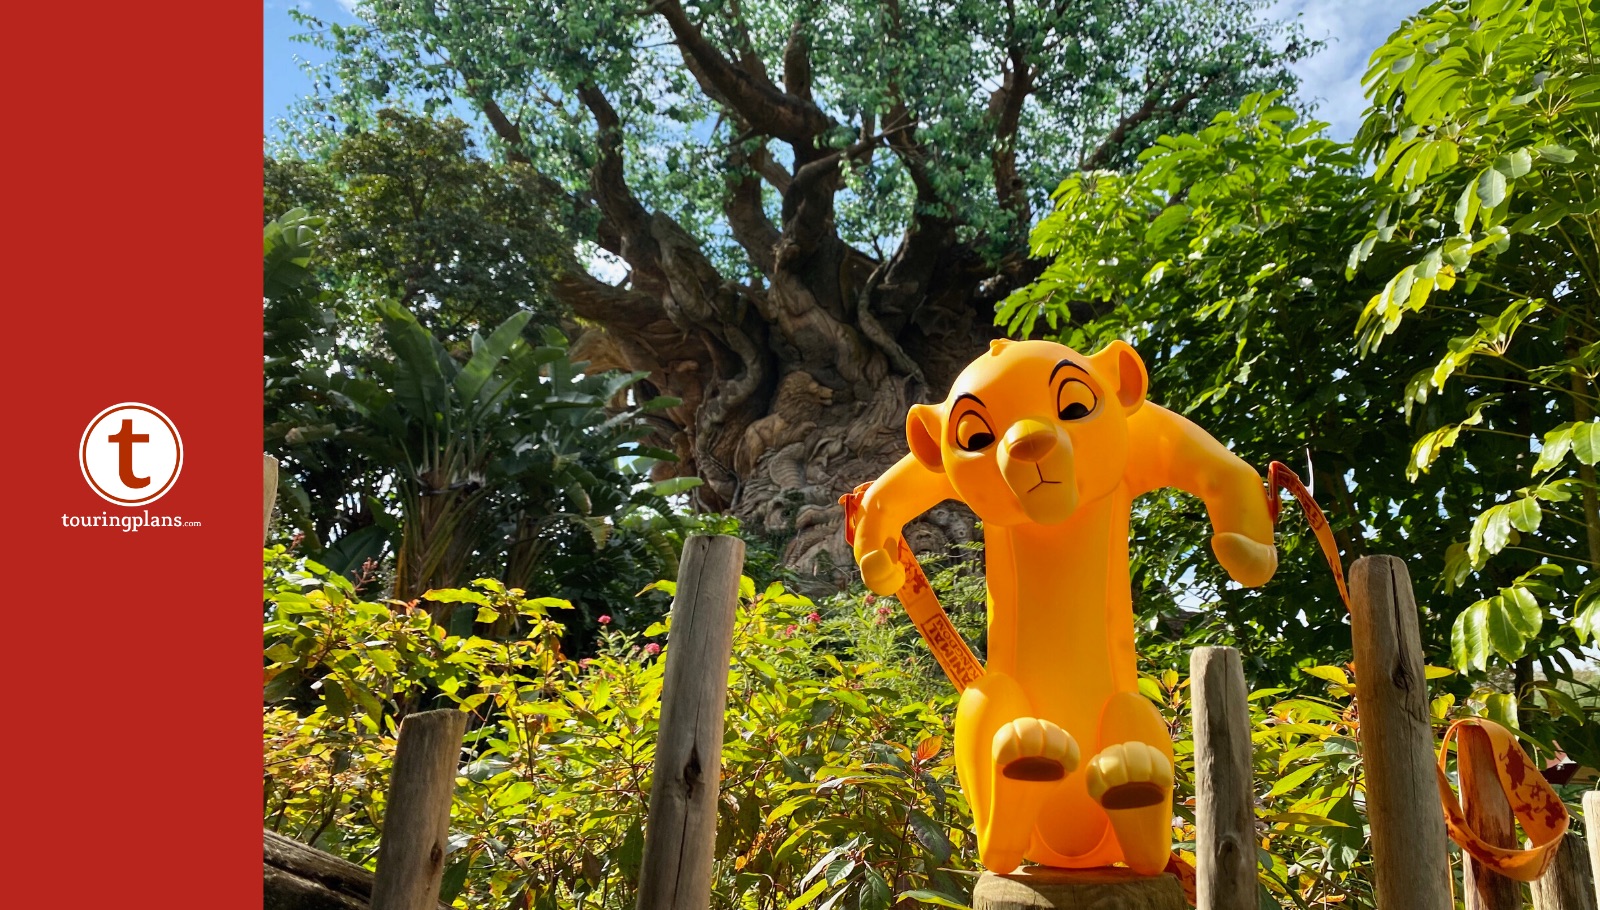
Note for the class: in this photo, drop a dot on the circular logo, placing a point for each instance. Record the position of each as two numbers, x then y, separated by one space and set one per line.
131 454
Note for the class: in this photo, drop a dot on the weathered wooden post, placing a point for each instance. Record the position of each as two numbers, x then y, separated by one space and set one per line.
1225 840
1489 813
680 835
416 825
269 494
1410 858
1591 824
1568 884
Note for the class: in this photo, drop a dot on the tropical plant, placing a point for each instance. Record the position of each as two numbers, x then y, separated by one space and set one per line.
495 456
1483 129
812 207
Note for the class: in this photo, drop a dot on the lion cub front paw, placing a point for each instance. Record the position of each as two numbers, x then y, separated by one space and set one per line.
1129 775
1029 748
1250 563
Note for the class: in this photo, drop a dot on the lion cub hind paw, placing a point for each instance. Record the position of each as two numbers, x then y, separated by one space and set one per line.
1029 748
1129 775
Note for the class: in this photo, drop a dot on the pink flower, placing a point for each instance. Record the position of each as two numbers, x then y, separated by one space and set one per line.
812 619
789 632
871 598
652 649
584 664
882 610
605 620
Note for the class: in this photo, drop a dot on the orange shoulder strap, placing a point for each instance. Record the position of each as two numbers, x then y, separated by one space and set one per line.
1535 804
921 604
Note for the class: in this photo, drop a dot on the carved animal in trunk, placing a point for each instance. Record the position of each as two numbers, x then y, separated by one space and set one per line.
1049 448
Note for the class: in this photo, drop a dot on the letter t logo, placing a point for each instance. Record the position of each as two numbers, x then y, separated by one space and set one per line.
125 438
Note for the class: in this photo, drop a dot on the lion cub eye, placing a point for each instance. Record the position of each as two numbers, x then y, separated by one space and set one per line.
972 433
1075 400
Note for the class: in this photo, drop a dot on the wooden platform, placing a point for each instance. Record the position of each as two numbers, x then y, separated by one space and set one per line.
1047 888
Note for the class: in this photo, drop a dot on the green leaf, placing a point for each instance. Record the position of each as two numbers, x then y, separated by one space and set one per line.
808 895
1491 187
1331 674
930 897
1292 780
1504 634
454 879
1523 610
874 891
1501 707
1303 819
1557 442
1514 164
1586 441
675 485
931 835
1525 515
456 596
1469 638
1558 154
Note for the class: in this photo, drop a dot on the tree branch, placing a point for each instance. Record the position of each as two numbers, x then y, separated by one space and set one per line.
1005 108
797 63
1152 105
626 219
746 211
760 103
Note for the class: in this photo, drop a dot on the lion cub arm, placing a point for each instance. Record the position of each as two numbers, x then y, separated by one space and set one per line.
1167 450
905 491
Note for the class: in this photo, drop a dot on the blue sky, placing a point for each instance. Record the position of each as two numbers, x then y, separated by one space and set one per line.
1333 78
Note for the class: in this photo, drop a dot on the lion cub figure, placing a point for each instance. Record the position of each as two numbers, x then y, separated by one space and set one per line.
1050 448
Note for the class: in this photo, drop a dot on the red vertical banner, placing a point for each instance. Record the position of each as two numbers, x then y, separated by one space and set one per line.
132 455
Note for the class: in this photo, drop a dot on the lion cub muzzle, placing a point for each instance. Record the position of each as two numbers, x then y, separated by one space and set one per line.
1036 461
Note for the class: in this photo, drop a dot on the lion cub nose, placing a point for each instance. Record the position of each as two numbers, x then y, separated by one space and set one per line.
1030 440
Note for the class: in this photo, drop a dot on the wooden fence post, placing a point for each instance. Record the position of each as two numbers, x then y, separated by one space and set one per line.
1568 884
1225 837
680 835
1591 826
416 824
1411 864
1489 813
269 493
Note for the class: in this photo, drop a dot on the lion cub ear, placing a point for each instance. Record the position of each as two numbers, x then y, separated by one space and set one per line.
922 434
1119 363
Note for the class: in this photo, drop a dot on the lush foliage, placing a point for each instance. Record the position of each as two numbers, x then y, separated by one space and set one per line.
837 788
1224 258
835 784
410 212
490 455
1484 127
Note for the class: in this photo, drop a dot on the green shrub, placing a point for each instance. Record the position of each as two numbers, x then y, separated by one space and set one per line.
836 790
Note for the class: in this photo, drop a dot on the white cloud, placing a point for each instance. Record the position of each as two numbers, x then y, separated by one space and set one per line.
1353 30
